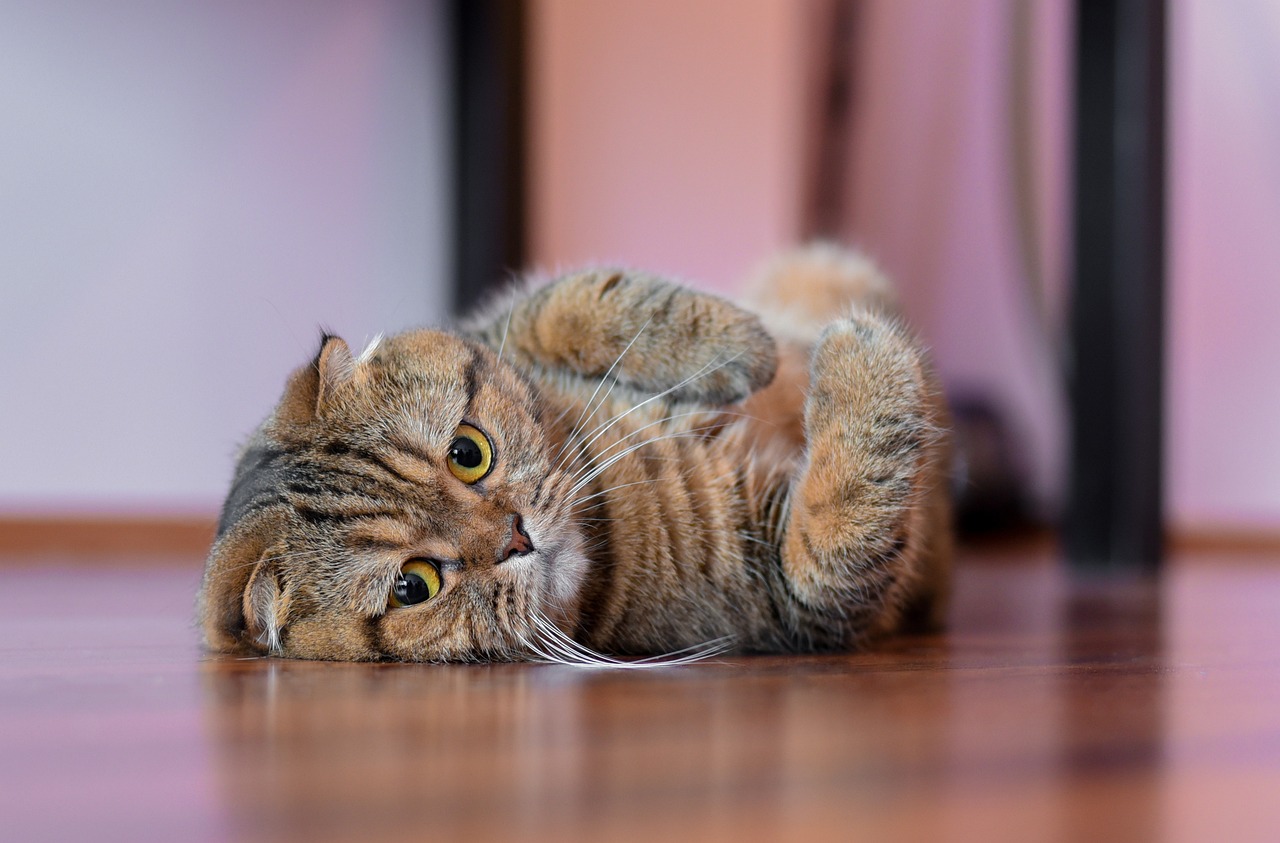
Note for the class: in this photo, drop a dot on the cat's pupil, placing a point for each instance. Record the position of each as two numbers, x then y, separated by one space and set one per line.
410 589
466 453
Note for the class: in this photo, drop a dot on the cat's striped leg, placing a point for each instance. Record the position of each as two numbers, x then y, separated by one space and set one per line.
856 527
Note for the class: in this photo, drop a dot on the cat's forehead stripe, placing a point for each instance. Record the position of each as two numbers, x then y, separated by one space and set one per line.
470 376
338 448
257 485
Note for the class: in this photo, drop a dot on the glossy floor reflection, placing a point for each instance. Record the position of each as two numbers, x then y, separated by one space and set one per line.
1052 710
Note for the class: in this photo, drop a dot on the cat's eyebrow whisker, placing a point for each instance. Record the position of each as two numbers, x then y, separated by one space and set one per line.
656 422
707 369
370 348
586 410
692 432
660 421
597 470
514 300
590 465
603 492
666 419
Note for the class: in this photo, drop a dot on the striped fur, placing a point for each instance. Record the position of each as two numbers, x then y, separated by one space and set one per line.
689 480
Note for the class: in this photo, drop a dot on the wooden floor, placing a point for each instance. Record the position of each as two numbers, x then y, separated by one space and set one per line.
1053 710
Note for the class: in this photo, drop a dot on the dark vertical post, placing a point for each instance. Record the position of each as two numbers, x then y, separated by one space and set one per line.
1114 508
488 144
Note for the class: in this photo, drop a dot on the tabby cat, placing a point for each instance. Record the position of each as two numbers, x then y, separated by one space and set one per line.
609 467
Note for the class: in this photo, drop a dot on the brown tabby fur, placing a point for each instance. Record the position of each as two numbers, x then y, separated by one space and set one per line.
676 492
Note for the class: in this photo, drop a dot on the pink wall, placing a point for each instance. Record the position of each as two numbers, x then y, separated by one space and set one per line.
665 133
933 198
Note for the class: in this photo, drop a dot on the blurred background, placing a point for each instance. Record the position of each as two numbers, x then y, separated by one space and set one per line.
188 192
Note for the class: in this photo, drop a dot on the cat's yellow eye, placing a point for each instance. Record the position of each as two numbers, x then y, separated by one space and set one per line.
470 454
418 581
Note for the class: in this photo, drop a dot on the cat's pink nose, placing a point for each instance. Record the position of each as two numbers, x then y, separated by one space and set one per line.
519 543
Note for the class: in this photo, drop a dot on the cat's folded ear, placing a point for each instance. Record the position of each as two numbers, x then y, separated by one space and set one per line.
315 386
265 604
237 604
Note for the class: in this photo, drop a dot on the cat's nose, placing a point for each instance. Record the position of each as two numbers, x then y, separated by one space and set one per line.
519 544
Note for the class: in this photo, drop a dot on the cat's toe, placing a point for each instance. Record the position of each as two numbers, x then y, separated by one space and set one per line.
868 359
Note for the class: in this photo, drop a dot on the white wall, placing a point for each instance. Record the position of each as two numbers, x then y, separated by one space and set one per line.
187 191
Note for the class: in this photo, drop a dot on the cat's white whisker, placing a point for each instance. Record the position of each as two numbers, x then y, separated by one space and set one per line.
576 502
693 432
597 470
584 439
553 645
707 369
586 410
502 346
661 421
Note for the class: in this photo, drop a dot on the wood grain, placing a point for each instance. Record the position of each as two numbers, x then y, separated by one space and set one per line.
1053 710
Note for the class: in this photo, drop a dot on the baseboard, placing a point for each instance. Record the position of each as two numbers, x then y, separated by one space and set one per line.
145 537
1210 539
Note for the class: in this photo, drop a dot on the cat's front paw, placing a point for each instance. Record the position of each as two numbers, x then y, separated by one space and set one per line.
867 372
651 334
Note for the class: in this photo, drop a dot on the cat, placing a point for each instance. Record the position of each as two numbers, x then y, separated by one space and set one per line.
610 469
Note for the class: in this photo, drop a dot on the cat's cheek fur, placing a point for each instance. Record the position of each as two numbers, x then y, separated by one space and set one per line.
331 637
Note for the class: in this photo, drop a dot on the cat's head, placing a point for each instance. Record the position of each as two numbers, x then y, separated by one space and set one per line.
403 504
